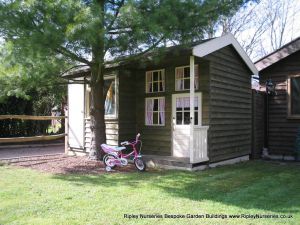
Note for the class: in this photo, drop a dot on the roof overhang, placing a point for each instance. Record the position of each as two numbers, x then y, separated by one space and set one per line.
278 55
215 44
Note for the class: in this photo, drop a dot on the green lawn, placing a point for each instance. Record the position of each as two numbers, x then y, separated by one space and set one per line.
264 188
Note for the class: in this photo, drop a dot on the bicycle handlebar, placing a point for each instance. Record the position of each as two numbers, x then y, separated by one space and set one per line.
128 143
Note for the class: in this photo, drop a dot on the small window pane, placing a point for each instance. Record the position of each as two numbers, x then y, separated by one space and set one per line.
155 118
155 105
161 87
155 76
178 108
155 87
186 117
295 96
187 84
178 118
196 118
186 72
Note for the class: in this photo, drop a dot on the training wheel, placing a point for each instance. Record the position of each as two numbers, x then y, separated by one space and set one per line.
108 168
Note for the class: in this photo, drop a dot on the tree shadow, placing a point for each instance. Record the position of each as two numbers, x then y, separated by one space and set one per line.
253 185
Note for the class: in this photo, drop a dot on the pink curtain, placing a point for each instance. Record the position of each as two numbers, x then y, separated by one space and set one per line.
162 110
184 102
179 78
148 81
149 111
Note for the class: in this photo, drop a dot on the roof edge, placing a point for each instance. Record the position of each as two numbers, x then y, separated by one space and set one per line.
278 54
213 45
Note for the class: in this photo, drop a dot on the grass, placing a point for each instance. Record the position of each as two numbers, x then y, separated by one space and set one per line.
256 187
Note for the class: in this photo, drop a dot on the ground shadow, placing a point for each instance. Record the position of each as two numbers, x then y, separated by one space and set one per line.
253 185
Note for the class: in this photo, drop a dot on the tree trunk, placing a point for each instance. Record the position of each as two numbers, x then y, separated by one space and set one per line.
98 135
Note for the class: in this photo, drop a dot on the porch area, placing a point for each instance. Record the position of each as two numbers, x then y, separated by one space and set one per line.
183 163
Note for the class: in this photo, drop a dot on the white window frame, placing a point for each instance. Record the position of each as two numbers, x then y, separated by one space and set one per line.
88 101
113 77
163 81
196 78
157 125
289 98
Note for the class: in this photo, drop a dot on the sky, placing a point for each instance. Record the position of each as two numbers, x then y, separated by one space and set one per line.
266 21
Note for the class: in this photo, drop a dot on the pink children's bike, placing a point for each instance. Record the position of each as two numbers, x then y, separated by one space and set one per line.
115 157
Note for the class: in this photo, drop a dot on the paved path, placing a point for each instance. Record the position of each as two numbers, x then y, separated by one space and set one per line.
6 153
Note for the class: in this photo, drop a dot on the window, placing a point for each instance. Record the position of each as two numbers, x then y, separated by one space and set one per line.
183 111
294 96
110 106
182 78
155 81
109 92
155 111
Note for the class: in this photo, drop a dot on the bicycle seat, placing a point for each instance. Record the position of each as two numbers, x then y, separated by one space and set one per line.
115 148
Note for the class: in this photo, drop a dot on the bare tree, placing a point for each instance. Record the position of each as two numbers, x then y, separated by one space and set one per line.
261 27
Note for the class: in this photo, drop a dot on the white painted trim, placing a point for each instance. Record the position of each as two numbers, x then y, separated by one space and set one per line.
198 75
192 103
215 44
163 81
154 125
115 77
173 117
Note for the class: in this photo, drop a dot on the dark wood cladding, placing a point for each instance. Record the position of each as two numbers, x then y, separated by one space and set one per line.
127 104
230 117
157 140
282 130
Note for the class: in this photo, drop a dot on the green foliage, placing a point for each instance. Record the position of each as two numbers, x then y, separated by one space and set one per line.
75 29
20 75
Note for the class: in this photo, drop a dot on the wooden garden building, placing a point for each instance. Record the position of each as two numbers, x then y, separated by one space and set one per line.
192 105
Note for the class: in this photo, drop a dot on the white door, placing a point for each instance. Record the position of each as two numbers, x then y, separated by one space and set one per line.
76 115
181 122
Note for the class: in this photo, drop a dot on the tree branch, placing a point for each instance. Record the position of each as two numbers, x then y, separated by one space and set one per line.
120 5
62 50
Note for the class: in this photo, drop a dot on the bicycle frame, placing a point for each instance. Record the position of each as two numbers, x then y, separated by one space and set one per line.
115 157
134 151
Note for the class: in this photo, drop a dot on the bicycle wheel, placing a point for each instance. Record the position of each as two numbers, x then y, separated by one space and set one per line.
140 164
108 160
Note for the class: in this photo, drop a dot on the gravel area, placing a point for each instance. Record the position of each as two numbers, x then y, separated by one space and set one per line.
9 152
62 164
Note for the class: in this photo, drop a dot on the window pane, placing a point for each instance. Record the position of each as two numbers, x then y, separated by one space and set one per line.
187 72
155 106
155 87
186 119
161 86
178 118
196 118
155 118
109 90
155 76
187 84
295 95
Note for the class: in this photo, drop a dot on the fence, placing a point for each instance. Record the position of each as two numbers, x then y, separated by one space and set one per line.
258 123
24 128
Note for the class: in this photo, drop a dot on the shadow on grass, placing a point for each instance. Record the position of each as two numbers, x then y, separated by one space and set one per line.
252 185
